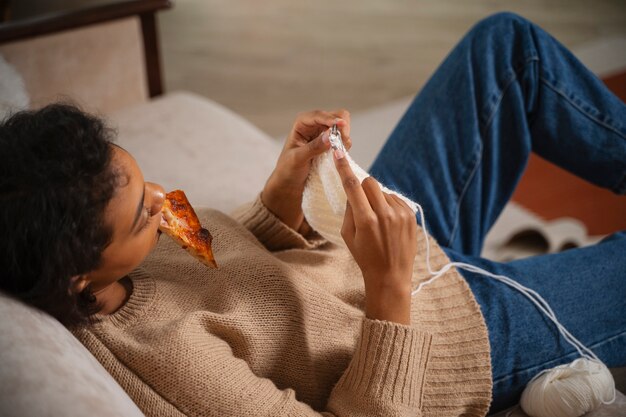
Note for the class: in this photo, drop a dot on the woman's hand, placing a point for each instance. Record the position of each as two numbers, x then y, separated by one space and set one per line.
380 231
282 193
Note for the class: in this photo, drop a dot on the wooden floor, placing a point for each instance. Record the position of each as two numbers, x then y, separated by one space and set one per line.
267 60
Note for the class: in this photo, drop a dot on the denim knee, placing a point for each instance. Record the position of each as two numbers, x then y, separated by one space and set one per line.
500 30
498 22
504 39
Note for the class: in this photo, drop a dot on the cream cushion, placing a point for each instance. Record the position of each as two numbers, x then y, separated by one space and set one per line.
185 141
45 371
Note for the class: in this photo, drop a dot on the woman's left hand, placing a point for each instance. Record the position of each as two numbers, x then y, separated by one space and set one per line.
282 193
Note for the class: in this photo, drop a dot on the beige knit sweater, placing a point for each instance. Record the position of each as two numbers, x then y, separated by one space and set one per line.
279 330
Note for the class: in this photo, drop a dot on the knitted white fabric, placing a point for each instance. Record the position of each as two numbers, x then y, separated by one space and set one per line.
324 199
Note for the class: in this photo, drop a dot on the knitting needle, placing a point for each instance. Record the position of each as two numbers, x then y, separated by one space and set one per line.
335 138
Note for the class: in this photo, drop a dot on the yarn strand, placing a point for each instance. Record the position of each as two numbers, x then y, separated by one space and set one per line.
531 294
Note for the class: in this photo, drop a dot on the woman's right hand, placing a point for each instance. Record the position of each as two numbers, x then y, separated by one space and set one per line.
380 231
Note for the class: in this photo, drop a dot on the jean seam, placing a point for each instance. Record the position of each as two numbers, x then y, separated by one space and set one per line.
563 94
620 186
543 364
516 70
478 160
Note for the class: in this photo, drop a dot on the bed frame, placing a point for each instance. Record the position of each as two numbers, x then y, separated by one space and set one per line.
146 10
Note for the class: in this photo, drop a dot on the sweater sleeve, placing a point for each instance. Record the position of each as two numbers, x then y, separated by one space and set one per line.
270 230
385 377
386 374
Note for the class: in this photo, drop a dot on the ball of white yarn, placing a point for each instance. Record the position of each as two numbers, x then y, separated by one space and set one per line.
569 390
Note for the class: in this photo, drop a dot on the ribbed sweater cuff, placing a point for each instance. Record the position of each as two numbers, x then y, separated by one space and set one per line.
387 367
271 231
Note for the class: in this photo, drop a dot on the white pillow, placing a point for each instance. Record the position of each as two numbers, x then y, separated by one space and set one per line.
13 95
46 371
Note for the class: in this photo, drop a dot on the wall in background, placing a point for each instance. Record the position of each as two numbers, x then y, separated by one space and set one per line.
267 60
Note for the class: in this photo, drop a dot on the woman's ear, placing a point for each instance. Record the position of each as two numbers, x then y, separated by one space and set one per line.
79 283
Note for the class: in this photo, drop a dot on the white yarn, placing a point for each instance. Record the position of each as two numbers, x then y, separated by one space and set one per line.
565 391
568 390
324 199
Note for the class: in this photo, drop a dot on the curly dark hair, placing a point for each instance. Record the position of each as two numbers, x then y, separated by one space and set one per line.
56 179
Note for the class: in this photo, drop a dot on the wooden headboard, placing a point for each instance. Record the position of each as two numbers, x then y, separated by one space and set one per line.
21 37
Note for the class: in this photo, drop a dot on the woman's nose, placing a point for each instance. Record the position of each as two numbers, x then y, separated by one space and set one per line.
157 194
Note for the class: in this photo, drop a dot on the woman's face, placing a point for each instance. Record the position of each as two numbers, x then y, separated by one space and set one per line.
134 213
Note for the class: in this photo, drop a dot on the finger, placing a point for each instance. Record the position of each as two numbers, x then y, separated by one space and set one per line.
352 186
344 115
317 120
402 203
375 196
403 208
313 148
398 204
344 128
348 229
347 142
391 201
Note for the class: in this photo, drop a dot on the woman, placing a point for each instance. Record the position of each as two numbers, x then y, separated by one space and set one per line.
290 324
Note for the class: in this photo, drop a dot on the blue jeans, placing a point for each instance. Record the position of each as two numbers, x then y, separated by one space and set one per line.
509 88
